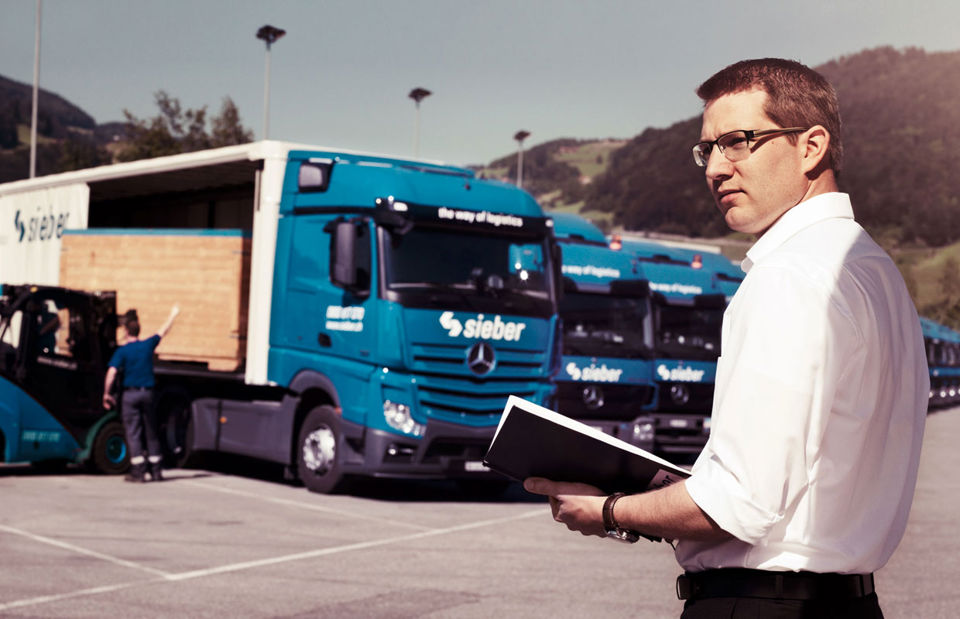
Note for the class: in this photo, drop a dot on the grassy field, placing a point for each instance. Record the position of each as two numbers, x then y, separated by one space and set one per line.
590 159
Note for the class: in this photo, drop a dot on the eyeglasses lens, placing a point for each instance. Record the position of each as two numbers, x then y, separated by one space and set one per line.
734 145
701 153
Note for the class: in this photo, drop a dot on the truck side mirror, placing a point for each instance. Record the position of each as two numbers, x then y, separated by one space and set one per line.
350 256
558 278
343 269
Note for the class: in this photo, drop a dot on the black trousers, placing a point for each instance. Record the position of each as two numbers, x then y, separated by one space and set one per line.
758 608
140 423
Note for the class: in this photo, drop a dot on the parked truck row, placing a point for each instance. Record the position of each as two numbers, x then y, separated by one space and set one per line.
943 361
343 314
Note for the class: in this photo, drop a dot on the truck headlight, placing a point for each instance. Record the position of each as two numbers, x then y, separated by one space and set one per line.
644 432
398 417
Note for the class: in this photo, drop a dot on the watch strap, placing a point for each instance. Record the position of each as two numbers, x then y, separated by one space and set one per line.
613 528
609 522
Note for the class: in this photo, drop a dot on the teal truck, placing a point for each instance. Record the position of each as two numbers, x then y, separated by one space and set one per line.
943 359
606 372
388 307
690 289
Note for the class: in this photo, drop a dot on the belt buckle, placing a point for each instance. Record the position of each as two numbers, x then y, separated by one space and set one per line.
684 587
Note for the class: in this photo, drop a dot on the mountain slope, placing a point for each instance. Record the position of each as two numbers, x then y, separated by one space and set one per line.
901 125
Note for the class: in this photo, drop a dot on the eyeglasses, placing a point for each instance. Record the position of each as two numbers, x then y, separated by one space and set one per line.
735 145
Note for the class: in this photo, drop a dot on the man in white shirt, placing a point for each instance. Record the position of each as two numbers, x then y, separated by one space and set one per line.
804 487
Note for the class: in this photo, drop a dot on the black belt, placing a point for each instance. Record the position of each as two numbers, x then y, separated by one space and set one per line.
747 583
137 388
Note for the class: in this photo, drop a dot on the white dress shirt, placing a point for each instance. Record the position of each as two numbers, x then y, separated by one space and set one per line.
820 402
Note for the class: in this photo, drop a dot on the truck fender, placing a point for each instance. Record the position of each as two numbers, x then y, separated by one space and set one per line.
306 380
315 389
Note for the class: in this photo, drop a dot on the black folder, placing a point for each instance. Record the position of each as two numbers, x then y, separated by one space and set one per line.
533 441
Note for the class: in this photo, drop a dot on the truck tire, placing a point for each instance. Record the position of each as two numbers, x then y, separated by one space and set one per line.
319 463
109 453
173 415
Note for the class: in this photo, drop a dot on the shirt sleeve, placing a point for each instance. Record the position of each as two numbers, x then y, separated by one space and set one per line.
154 341
116 360
775 380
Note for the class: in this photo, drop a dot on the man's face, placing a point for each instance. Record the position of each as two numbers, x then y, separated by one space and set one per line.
753 193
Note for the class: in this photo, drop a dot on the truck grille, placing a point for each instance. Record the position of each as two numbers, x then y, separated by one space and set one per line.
442 397
619 402
455 390
510 363
701 398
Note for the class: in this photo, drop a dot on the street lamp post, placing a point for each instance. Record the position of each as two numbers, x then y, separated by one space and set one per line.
418 95
36 89
520 136
269 35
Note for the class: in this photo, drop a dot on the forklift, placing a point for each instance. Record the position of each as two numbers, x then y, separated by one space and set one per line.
55 344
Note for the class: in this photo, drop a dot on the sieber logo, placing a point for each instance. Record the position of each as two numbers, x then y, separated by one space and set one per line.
680 375
481 328
42 226
601 374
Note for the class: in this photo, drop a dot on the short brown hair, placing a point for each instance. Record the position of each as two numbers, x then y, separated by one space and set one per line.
797 96
132 325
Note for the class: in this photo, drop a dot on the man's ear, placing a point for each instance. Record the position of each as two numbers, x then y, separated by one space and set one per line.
815 142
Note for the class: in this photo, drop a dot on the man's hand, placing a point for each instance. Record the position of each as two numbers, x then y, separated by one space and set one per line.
108 401
579 506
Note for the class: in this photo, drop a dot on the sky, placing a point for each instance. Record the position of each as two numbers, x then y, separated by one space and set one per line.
341 75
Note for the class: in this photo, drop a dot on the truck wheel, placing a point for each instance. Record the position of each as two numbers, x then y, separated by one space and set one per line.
173 413
318 451
109 453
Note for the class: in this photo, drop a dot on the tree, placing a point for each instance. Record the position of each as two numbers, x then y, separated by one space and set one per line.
175 130
227 129
77 153
950 278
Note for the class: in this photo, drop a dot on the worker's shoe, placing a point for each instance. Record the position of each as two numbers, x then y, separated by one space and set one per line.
156 472
136 473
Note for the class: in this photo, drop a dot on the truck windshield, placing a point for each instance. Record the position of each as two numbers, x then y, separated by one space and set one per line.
433 267
689 332
598 325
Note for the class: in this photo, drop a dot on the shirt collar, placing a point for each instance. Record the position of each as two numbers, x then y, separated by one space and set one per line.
816 209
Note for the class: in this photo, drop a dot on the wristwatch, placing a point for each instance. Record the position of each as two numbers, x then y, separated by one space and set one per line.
613 528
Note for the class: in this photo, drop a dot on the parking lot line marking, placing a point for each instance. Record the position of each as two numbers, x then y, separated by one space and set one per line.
84 551
310 506
236 567
66 596
245 565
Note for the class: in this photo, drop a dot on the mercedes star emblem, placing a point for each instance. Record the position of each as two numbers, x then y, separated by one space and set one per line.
593 397
481 358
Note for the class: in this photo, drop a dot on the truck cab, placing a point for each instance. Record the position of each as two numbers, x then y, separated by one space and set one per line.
606 372
54 347
409 302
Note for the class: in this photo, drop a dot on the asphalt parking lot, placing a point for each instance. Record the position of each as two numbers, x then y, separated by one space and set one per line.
215 543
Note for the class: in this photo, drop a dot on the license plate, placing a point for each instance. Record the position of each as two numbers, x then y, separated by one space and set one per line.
475 466
678 423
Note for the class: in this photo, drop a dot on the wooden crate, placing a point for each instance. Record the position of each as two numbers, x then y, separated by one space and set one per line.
205 272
